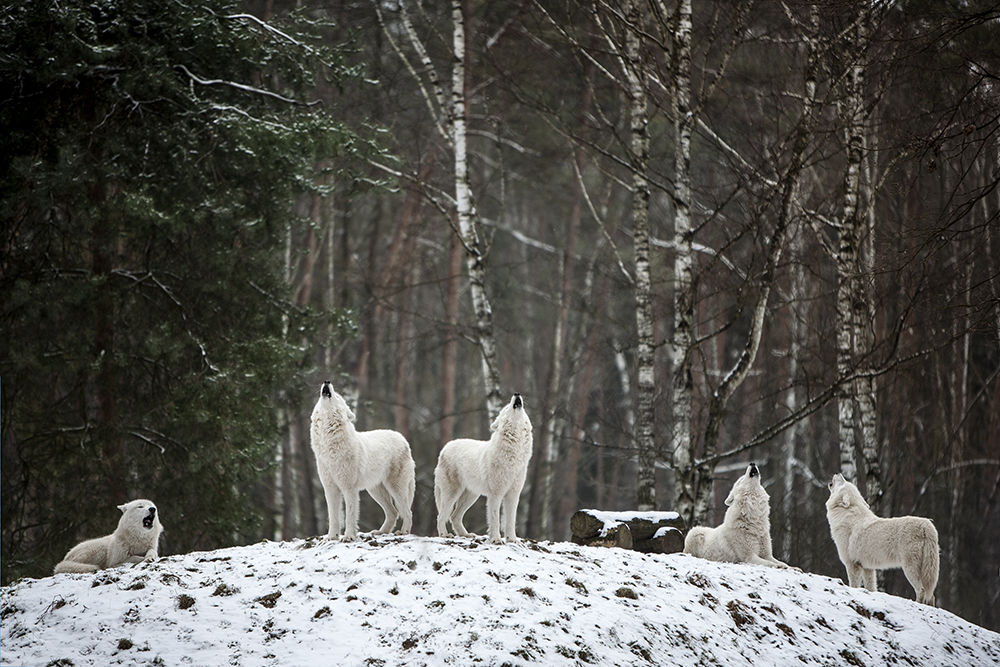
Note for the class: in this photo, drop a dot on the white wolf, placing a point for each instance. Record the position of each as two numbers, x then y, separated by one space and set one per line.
495 468
135 540
745 533
866 543
348 461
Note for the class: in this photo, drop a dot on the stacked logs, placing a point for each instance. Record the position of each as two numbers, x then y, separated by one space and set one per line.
646 532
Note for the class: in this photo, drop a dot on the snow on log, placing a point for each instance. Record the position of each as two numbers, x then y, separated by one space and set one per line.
648 532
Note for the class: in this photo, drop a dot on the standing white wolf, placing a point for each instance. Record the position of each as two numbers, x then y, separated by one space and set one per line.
134 541
348 461
745 533
866 543
495 468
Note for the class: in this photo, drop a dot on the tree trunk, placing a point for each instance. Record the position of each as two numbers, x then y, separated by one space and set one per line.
645 385
682 453
450 352
475 260
850 300
790 446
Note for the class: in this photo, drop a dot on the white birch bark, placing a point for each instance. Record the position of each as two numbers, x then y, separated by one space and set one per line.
475 261
681 445
850 299
864 334
645 384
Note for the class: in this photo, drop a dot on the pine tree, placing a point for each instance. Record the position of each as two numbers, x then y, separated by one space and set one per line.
151 154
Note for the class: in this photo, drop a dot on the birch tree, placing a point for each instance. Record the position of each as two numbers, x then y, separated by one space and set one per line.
682 340
646 384
449 112
854 308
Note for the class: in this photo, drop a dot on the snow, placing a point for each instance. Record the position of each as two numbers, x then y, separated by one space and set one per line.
412 600
612 520
660 532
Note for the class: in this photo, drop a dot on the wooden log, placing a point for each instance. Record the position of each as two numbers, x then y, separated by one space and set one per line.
643 525
665 541
617 536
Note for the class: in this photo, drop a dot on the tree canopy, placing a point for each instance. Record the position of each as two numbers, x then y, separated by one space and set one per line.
153 151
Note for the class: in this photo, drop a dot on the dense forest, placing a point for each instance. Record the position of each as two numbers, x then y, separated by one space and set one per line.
691 235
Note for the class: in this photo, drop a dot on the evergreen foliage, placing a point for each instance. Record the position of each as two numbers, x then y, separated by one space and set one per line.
152 151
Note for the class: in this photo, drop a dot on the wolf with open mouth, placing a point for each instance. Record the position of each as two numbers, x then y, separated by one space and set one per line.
135 540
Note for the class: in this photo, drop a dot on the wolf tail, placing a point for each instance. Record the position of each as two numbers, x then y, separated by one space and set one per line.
930 565
74 567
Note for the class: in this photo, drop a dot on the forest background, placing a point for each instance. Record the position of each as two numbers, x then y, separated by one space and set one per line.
690 235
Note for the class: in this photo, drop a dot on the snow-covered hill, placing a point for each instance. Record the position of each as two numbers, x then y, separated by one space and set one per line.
432 601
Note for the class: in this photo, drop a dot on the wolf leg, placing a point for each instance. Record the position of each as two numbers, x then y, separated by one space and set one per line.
351 504
382 497
510 515
465 501
333 497
493 518
401 491
855 575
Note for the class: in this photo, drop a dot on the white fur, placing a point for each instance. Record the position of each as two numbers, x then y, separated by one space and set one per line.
866 543
495 468
348 461
745 533
130 543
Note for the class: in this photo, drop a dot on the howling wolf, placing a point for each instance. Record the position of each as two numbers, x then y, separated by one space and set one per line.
495 468
745 533
348 461
134 540
866 543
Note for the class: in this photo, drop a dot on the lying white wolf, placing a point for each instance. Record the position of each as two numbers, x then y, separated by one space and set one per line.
134 541
866 543
348 461
745 533
495 468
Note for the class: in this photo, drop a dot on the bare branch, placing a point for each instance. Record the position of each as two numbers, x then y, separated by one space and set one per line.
245 88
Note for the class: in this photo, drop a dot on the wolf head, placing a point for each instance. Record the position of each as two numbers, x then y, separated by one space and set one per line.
512 414
332 404
139 515
843 494
748 483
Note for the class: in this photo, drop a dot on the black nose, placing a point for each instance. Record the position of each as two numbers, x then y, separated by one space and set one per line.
753 470
152 511
326 389
517 400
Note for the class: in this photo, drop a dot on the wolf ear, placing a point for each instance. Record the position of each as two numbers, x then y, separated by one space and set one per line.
496 422
122 508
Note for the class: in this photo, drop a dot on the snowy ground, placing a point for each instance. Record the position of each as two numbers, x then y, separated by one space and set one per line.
433 601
